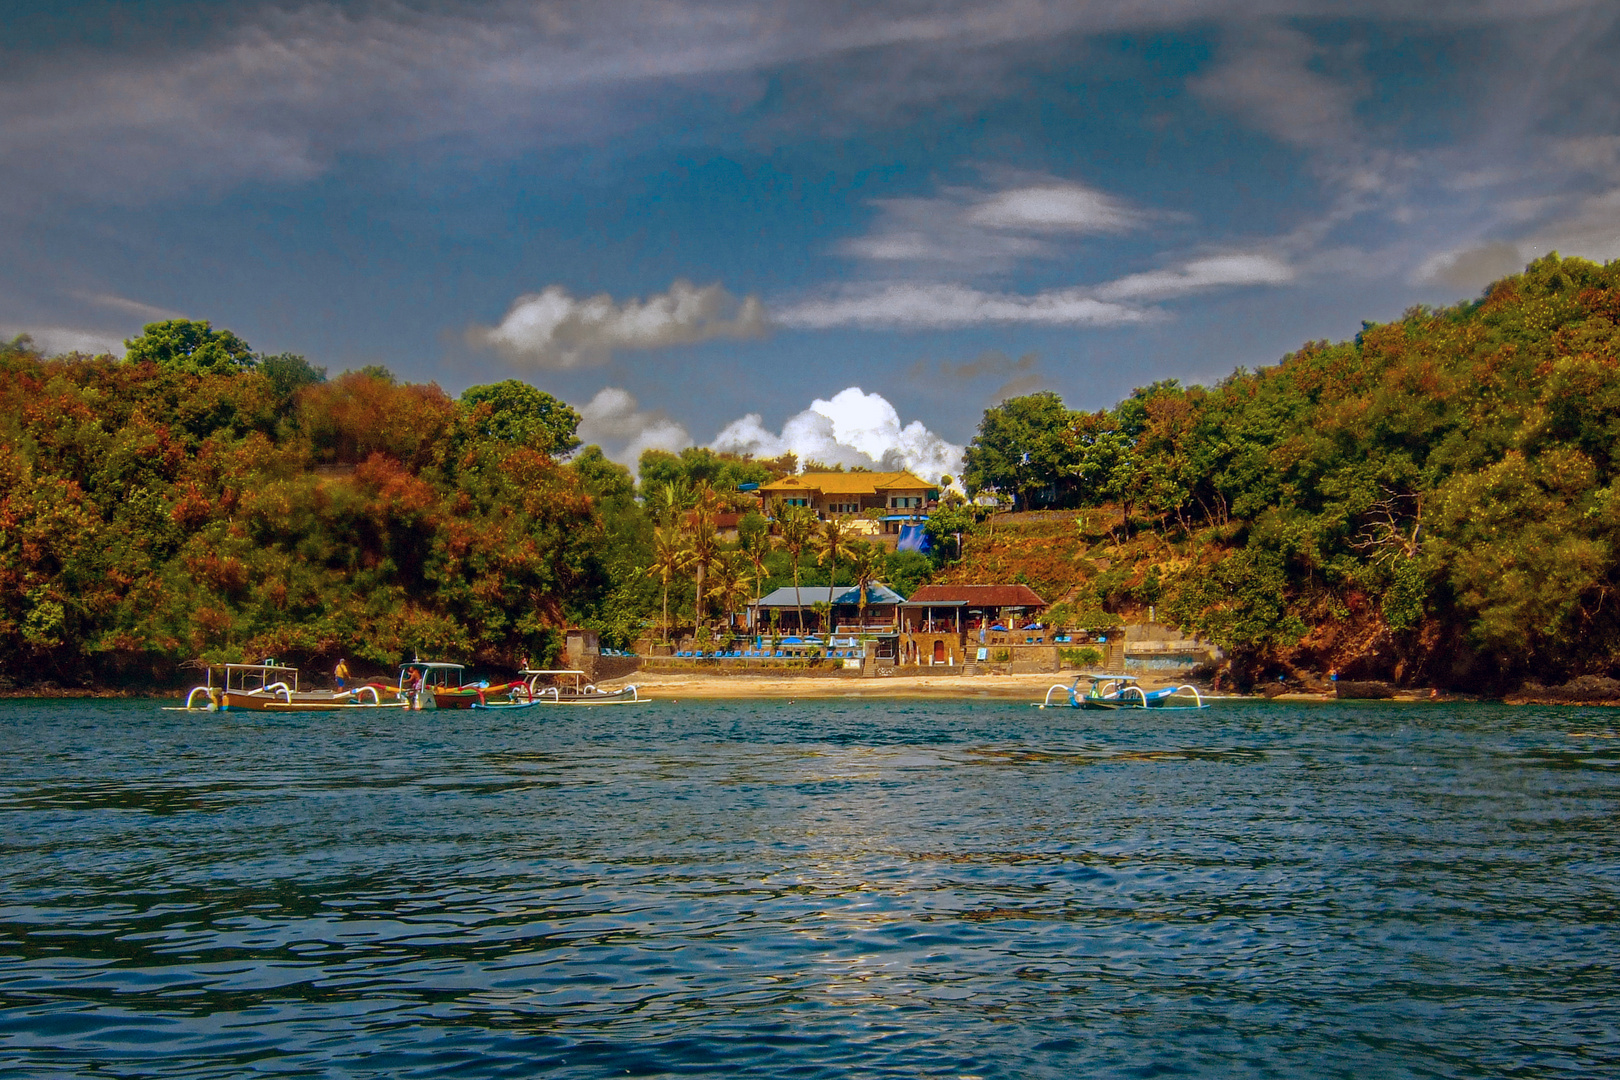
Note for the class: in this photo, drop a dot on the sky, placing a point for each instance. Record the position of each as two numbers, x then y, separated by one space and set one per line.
840 228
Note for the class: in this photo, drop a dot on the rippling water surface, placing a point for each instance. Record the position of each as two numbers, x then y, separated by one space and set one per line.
813 889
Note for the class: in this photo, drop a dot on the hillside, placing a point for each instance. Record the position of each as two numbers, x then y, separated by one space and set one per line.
1434 501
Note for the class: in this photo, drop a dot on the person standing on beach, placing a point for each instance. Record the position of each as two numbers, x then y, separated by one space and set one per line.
340 674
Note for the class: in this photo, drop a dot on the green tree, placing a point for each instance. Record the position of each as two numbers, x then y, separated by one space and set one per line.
1021 447
834 541
289 372
515 412
797 525
191 347
866 564
669 561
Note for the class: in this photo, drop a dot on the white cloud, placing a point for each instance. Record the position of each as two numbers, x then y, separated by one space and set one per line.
52 340
614 419
146 312
1267 77
988 230
1054 207
1210 272
554 329
852 428
933 307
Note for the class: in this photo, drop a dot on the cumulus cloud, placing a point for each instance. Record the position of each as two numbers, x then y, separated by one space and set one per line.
614 418
946 306
555 329
851 428
1198 275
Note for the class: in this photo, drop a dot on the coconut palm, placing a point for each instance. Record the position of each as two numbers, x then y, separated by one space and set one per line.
834 541
867 563
730 588
798 527
669 500
755 547
702 540
668 563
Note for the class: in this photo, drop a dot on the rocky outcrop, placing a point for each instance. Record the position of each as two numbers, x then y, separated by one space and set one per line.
1586 690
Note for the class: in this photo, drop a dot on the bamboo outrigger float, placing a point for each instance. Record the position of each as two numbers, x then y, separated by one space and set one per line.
566 686
273 687
1123 692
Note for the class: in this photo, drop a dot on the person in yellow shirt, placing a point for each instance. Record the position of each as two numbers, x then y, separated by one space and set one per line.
341 674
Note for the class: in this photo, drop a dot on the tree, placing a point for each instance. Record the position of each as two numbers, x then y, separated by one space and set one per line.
797 524
668 500
288 372
834 541
191 347
669 561
866 564
1020 447
730 588
755 542
702 541
516 412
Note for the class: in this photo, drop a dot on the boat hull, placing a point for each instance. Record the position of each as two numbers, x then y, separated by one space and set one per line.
236 701
627 696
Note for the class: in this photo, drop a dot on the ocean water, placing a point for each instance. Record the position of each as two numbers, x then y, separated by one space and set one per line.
814 889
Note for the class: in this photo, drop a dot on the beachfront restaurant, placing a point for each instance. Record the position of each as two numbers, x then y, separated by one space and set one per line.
969 609
882 606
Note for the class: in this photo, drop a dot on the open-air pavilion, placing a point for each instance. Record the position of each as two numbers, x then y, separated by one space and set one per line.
882 604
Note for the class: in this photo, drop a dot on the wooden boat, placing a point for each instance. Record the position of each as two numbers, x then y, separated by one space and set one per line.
273 687
564 686
443 686
1123 692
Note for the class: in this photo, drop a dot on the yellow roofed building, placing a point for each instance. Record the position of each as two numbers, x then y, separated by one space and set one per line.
900 495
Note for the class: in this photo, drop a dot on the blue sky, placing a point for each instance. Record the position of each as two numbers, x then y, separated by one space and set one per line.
709 219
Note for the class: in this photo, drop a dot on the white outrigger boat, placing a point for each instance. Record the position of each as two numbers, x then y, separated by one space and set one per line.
1123 692
273 687
565 686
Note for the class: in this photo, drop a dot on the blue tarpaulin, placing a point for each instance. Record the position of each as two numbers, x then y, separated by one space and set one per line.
912 538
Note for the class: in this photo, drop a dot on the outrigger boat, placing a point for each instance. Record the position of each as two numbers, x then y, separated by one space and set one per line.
1123 692
443 686
273 687
566 686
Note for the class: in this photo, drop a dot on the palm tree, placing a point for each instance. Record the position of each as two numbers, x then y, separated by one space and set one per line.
730 589
669 500
702 539
755 548
668 563
798 526
833 543
867 563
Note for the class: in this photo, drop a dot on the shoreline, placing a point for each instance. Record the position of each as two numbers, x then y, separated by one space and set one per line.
745 686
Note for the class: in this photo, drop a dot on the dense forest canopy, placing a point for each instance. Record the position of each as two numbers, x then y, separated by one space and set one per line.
1434 500
1443 486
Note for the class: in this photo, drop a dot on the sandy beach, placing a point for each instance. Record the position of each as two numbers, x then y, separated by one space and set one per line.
703 684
